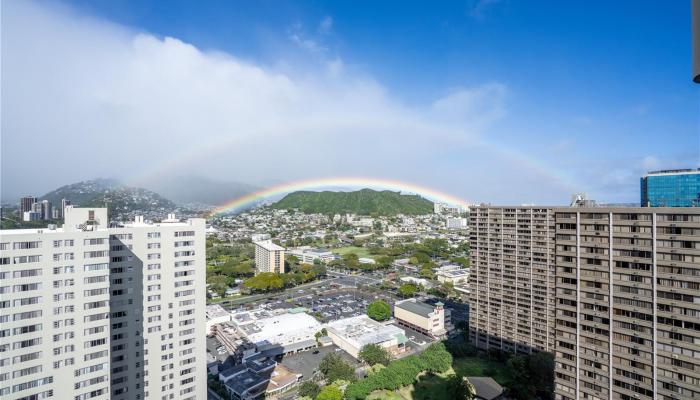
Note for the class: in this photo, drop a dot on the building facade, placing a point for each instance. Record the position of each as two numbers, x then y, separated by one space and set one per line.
269 257
511 301
424 318
158 319
671 188
628 303
626 296
76 310
25 204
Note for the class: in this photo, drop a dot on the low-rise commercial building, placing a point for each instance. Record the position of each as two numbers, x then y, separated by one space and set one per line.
279 331
424 318
453 276
216 315
257 378
309 255
352 334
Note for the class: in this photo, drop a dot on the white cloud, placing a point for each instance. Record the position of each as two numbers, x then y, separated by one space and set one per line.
326 25
83 98
479 8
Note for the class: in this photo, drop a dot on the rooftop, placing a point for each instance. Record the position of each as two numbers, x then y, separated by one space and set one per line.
486 387
215 311
265 327
361 330
416 307
269 245
674 171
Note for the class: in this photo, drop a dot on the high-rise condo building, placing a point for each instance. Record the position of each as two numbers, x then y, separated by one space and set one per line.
25 204
46 210
512 278
89 311
671 188
269 257
628 303
626 295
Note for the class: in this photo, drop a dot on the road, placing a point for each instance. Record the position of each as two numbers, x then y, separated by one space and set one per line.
262 296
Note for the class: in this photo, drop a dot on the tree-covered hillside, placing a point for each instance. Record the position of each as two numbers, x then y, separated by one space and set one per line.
363 202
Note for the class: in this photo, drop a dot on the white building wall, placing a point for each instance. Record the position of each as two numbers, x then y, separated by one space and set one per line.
54 310
58 330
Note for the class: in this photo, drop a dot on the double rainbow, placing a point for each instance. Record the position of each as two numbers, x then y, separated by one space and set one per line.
351 182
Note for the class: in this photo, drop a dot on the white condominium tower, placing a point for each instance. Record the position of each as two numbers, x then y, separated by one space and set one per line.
269 257
89 311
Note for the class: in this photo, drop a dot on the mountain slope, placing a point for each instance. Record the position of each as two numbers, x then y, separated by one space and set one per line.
363 202
122 201
195 189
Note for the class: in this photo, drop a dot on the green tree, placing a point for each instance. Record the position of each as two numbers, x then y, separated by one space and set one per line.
407 290
419 258
521 387
426 271
374 354
330 392
333 367
321 333
379 310
309 388
541 367
291 260
462 261
351 260
461 388
384 261
265 281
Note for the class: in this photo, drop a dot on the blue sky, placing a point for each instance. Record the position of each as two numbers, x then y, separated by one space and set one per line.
552 97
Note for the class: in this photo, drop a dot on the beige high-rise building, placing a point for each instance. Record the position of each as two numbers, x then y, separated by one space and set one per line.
269 257
512 278
89 311
626 295
628 303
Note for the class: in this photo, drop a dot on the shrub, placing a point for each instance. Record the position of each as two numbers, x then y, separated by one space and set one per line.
334 367
374 354
330 392
434 359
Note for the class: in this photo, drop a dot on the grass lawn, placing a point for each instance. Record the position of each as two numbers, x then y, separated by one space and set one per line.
478 366
360 251
429 387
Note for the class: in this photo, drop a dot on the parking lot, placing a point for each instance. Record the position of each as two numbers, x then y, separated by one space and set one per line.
326 303
306 363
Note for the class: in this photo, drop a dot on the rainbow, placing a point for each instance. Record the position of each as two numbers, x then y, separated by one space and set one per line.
356 182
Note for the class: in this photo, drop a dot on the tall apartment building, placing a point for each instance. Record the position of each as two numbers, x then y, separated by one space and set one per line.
25 204
628 303
269 257
626 295
89 311
671 188
512 278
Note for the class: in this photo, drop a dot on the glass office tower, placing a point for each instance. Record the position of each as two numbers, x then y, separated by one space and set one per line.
671 188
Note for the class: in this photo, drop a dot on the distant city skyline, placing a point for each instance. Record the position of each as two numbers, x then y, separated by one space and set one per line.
489 101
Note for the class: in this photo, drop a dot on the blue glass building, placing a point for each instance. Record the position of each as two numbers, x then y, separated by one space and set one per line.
672 188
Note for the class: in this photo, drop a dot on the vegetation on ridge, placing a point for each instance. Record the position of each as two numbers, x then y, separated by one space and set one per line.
362 202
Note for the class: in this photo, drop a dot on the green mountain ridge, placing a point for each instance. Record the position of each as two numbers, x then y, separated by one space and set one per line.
362 202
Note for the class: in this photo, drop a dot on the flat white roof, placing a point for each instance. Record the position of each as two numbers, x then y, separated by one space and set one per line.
261 326
361 330
269 245
455 273
215 311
